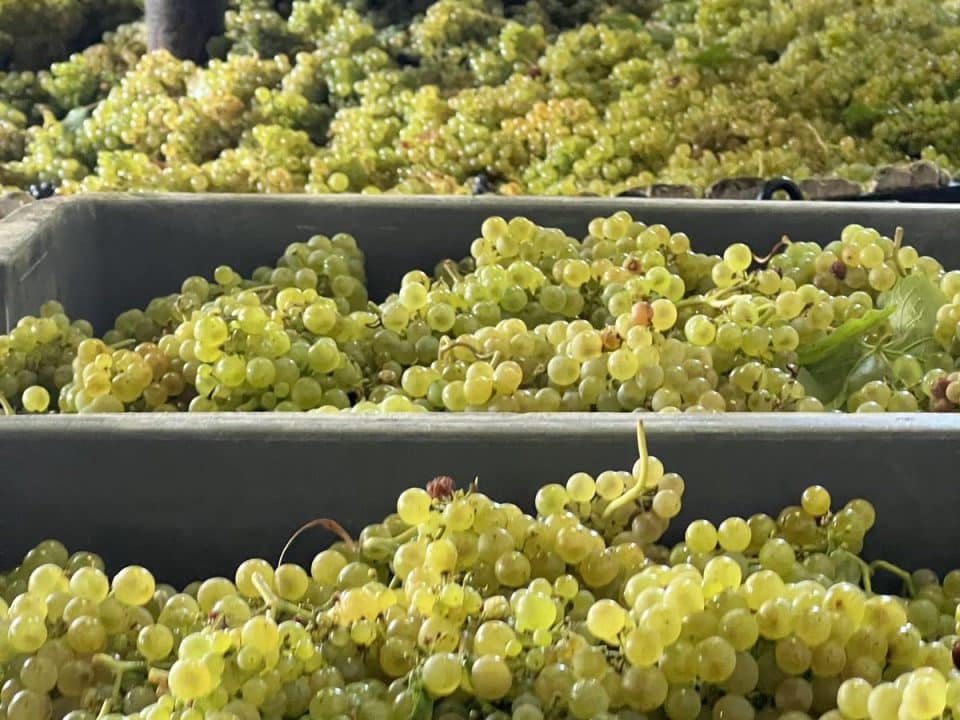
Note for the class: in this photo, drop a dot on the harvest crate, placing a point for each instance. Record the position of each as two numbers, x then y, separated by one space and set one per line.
191 495
102 254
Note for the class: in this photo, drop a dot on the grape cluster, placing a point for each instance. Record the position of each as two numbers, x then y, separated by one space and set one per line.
33 35
631 318
461 96
457 606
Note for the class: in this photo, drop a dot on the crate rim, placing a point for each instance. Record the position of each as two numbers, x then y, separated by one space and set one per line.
831 427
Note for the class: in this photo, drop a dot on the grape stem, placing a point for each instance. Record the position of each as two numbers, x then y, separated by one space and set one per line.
391 543
158 677
784 241
637 490
452 345
898 571
326 523
117 668
715 299
275 602
897 244
7 407
866 571
450 268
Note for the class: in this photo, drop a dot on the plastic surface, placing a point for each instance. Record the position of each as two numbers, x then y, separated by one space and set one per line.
102 254
192 495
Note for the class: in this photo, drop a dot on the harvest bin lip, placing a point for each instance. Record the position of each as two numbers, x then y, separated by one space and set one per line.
17 227
430 427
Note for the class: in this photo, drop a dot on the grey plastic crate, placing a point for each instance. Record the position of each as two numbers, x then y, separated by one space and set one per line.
193 495
190 497
102 254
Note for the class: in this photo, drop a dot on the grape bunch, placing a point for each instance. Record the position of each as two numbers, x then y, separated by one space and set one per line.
458 606
478 96
630 318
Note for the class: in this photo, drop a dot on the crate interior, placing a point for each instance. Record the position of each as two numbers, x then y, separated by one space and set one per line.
101 255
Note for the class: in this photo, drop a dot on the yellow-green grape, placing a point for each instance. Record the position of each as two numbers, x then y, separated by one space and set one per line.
442 674
701 537
925 693
734 534
189 680
89 583
261 634
816 501
291 582
134 586
155 642
35 399
606 619
853 698
490 677
738 256
413 506
247 576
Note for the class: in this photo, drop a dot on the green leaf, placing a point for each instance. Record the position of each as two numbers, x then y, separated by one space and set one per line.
423 710
828 365
872 366
714 56
860 117
915 301
622 21
75 118
839 364
844 338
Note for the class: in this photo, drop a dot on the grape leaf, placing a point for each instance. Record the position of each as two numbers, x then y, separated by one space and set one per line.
843 338
872 366
75 118
839 364
915 300
622 21
861 118
423 710
827 366
714 56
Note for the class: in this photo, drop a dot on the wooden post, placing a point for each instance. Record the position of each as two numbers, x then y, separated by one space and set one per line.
183 27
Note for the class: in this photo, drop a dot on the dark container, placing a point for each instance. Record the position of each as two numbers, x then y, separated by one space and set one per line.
191 496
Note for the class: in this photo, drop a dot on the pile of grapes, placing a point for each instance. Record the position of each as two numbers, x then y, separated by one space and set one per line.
511 96
459 607
40 32
628 319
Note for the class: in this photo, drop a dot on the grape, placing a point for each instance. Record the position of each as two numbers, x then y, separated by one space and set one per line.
441 674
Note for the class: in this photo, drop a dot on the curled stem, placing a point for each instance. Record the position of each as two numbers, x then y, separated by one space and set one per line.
478 355
784 241
7 407
898 571
637 490
327 524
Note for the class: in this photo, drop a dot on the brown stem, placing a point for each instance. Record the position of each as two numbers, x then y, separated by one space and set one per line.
327 524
